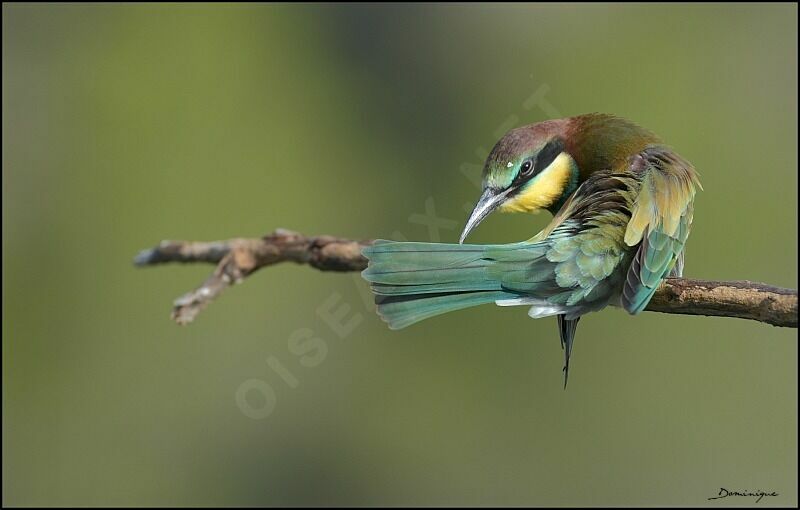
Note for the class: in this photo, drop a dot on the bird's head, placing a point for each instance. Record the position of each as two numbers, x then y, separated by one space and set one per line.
539 166
528 170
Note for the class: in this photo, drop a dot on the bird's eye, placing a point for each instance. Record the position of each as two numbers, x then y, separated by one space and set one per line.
526 168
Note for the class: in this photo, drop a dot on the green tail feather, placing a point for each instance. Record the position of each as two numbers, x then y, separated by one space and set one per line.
408 310
415 281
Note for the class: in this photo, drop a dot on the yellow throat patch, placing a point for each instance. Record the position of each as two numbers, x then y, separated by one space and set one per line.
546 188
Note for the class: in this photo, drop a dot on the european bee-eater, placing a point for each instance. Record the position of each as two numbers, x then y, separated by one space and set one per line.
622 205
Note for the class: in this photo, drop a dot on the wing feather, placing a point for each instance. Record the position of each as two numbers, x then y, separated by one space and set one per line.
660 222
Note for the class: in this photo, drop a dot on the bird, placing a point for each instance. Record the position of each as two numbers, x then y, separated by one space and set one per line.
622 203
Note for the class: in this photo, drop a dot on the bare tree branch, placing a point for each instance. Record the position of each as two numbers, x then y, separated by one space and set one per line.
236 259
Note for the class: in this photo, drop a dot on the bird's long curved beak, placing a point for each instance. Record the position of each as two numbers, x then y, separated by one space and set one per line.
488 202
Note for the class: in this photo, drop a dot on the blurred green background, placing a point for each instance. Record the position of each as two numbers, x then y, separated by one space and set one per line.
126 125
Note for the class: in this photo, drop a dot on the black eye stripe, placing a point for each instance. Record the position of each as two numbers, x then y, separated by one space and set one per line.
548 154
544 158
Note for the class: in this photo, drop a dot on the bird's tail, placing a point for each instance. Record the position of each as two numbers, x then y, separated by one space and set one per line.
566 329
415 281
